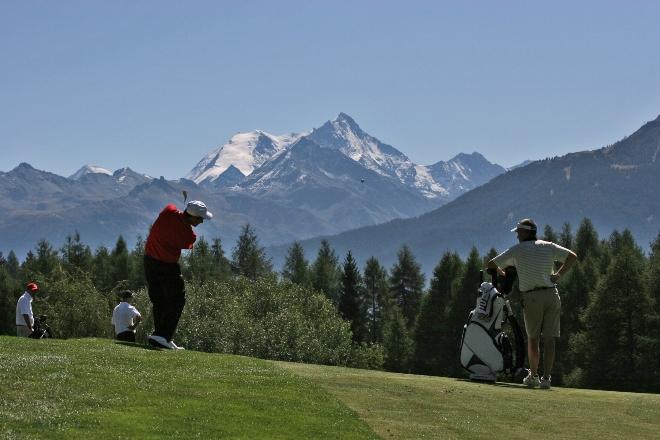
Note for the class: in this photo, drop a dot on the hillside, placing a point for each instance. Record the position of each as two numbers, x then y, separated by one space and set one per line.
68 389
616 187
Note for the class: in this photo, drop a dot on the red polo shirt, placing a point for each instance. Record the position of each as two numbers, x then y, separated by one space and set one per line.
169 234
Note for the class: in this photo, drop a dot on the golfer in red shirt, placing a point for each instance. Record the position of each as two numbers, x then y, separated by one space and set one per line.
171 232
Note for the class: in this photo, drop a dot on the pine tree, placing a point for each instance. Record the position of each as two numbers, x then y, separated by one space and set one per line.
432 330
296 266
76 255
654 291
44 262
654 272
492 253
29 269
616 340
586 240
199 262
351 306
463 300
13 266
575 290
397 344
137 279
222 266
9 291
549 234
377 296
120 261
566 236
249 259
102 270
326 272
407 285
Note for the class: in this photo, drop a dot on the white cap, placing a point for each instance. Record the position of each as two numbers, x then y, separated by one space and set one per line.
198 209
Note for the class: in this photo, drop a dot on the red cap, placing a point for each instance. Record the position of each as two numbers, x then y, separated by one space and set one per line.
32 287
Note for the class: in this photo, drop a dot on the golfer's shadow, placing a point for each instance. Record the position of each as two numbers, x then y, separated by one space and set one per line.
138 345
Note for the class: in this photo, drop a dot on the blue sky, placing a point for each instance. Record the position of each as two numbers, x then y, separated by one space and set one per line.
155 85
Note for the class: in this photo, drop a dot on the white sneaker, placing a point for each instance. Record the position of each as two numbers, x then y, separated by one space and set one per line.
531 381
159 341
175 347
545 383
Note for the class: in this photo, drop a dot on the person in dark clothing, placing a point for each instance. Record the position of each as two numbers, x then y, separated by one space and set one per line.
170 233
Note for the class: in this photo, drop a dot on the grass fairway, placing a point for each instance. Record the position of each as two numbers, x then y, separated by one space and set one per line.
401 406
98 389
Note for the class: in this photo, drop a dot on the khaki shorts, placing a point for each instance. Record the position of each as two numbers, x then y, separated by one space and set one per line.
542 309
23 330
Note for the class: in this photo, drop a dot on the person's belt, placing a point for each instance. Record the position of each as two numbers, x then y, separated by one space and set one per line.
539 288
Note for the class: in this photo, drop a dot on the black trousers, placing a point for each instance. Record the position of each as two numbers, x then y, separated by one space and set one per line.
167 294
128 336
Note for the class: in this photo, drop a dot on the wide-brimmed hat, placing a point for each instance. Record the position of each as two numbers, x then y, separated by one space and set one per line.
198 209
526 224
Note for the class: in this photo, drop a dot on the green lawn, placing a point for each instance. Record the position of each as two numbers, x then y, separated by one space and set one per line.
403 406
98 389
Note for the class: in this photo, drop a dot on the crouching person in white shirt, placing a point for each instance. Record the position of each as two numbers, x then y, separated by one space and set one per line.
125 318
24 315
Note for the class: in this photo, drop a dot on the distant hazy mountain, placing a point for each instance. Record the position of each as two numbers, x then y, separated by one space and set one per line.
616 187
521 164
290 187
101 214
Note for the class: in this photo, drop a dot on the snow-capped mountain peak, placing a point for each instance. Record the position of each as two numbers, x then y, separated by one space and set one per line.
345 135
89 169
245 151
464 172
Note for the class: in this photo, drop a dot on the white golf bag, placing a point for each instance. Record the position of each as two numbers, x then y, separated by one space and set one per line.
486 348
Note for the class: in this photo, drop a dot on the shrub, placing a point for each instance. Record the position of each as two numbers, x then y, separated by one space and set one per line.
262 318
367 356
74 307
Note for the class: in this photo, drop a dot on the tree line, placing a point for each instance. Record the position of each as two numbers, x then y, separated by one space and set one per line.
334 311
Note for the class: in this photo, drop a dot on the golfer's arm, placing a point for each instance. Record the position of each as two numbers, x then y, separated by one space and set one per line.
26 318
571 258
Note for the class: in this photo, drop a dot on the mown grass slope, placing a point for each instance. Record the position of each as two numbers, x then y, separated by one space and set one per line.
99 389
403 406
